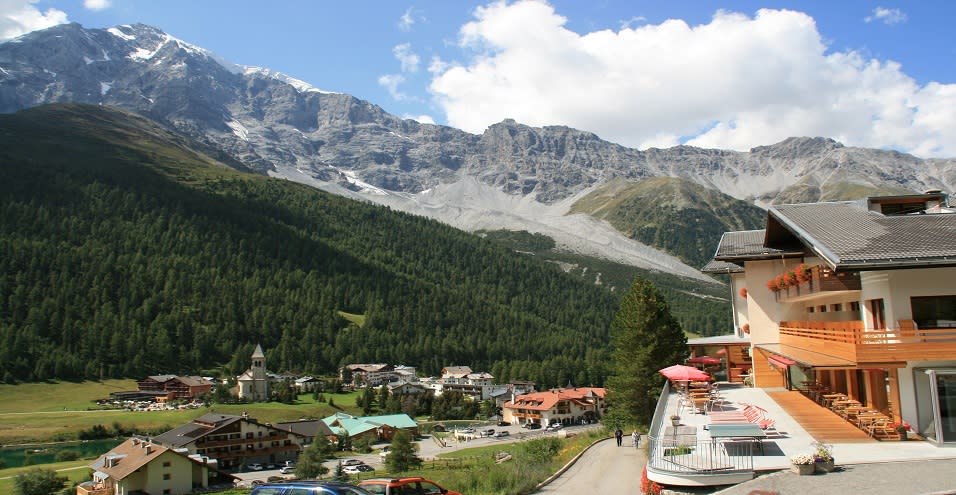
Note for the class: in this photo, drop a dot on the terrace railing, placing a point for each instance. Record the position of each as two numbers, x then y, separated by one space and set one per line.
821 280
696 458
850 340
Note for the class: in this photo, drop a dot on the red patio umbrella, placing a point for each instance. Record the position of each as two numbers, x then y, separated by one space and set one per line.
679 372
703 360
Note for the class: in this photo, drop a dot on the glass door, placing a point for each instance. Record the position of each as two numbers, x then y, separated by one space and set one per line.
946 405
937 415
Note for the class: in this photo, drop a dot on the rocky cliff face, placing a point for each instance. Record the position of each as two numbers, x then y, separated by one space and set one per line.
522 177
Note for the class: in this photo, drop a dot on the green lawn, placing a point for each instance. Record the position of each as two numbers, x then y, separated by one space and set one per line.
74 470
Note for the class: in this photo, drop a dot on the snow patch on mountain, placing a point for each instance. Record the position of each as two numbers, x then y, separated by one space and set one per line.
119 34
299 85
105 87
238 129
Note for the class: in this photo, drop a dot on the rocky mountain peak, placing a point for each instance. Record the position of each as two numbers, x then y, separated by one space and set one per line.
282 126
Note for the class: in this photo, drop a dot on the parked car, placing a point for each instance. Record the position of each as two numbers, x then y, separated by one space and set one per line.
351 462
489 432
533 426
255 466
504 423
396 486
271 466
555 426
360 468
287 469
438 427
384 453
502 433
308 487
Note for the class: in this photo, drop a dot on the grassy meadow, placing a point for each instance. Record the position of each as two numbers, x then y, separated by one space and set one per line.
57 411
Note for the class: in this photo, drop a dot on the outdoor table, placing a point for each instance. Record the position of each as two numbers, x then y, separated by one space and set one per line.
864 419
852 411
828 398
740 430
679 435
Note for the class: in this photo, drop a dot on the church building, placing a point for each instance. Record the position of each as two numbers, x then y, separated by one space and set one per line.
254 384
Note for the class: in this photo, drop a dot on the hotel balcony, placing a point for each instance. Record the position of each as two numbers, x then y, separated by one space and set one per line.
851 342
822 282
88 488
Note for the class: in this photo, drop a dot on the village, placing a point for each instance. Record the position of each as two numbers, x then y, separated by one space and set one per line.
225 449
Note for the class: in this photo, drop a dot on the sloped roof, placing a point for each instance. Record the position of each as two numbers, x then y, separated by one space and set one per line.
456 370
128 457
715 266
848 235
189 432
542 401
306 428
354 426
258 352
749 245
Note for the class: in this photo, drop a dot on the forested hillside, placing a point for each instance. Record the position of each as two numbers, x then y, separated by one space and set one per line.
677 215
128 252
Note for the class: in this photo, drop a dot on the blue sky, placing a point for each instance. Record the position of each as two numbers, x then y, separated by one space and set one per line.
733 74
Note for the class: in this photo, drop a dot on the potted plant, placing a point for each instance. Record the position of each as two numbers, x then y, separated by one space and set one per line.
802 464
823 457
746 328
903 428
804 272
675 420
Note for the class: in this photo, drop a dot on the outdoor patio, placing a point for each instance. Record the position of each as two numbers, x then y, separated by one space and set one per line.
797 423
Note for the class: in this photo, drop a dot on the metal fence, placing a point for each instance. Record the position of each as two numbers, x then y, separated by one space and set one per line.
683 453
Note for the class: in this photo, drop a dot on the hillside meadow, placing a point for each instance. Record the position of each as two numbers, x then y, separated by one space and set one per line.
58 411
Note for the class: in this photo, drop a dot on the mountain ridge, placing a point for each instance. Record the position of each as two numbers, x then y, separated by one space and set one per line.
521 177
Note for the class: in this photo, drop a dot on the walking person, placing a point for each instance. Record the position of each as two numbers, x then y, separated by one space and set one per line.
637 439
619 436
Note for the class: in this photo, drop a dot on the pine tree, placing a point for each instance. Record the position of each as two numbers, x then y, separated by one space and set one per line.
402 453
645 337
310 462
39 482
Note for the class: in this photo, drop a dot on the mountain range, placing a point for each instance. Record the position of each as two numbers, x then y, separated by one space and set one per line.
591 196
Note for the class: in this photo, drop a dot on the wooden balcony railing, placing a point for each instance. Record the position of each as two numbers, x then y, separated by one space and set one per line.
852 341
91 489
822 280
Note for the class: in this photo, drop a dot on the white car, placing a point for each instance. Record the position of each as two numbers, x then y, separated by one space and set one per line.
555 427
287 469
384 453
361 468
255 466
351 462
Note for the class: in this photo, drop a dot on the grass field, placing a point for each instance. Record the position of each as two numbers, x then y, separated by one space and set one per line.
49 412
74 470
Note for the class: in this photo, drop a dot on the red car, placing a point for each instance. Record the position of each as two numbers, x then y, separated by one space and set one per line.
400 486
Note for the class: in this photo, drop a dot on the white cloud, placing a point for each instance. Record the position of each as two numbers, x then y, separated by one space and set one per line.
735 82
21 16
406 22
406 57
391 82
887 15
96 4
633 21
422 119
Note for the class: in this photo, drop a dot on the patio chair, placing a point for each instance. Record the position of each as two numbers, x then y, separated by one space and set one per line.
881 429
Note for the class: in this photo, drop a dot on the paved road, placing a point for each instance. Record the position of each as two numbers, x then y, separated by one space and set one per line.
604 468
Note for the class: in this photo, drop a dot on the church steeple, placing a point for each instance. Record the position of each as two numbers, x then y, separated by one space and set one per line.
258 363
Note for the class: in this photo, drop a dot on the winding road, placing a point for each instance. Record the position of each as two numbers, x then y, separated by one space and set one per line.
604 468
